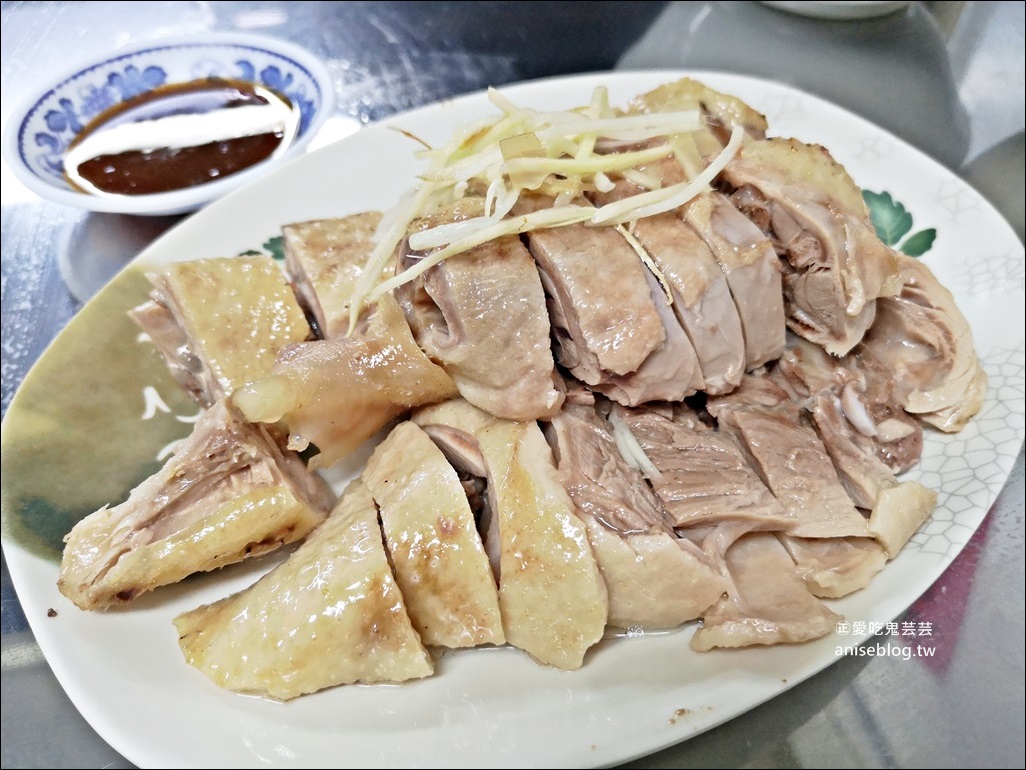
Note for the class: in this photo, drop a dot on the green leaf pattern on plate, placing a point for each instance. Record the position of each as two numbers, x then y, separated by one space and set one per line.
892 222
275 247
920 243
92 420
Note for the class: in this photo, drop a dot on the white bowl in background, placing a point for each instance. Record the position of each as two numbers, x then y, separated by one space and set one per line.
39 132
835 9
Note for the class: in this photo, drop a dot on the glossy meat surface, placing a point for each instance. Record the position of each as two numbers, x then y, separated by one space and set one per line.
330 614
603 315
226 494
835 265
482 316
552 596
324 259
767 602
221 322
336 394
432 541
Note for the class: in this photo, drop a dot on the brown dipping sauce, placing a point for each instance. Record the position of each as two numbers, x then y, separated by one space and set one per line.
182 164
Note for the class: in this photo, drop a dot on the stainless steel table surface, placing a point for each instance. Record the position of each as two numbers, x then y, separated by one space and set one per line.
964 63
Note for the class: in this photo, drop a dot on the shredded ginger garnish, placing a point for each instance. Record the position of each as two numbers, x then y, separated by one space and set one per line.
559 154
630 448
664 199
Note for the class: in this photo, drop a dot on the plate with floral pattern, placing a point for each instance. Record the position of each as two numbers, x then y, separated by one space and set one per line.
40 132
96 413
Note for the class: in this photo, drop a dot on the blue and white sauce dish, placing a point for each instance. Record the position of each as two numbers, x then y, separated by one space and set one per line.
94 96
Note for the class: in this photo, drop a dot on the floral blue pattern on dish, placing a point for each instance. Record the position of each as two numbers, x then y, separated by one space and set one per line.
74 103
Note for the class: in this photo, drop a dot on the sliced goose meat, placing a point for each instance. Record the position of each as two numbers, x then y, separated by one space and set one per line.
898 508
836 566
554 601
654 579
453 426
766 603
432 541
715 539
746 258
752 270
600 303
898 441
288 634
704 478
577 393
227 494
789 457
864 476
219 323
335 394
833 397
721 111
702 299
898 513
324 259
835 265
670 373
552 596
600 482
923 339
483 317
868 397
701 296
